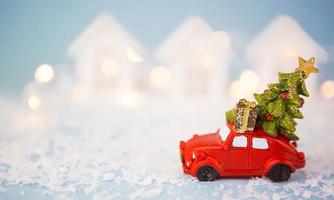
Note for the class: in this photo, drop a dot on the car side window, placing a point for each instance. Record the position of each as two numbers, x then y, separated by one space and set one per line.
239 141
260 143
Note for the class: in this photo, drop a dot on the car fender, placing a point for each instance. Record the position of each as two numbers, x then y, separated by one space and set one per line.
275 161
208 161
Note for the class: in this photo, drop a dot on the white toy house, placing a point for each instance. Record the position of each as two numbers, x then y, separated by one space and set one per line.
277 47
107 58
198 58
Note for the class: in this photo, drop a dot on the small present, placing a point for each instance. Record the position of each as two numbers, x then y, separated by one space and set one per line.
246 114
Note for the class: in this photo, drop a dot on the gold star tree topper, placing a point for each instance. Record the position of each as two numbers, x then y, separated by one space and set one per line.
306 66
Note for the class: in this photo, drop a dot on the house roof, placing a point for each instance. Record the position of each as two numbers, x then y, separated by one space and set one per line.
284 36
193 34
103 32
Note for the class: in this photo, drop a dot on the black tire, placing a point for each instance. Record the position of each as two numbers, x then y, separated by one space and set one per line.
279 173
207 173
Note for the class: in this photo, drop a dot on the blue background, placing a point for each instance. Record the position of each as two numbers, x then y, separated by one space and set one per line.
36 32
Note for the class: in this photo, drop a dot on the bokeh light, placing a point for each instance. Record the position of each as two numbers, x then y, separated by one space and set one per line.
130 98
34 102
289 51
327 89
133 55
77 94
110 67
209 61
236 90
44 73
160 77
249 80
245 86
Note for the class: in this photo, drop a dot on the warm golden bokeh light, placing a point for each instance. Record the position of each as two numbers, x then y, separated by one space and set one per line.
236 90
327 89
77 94
133 56
110 67
44 73
130 98
34 102
249 80
160 77
209 60
245 86
289 51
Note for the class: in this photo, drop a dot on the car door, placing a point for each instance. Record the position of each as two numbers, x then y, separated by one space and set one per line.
238 153
259 153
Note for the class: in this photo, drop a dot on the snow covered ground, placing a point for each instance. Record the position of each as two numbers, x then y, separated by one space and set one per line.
102 151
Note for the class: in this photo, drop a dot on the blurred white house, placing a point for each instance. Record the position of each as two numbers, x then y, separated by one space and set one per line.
277 47
107 59
198 58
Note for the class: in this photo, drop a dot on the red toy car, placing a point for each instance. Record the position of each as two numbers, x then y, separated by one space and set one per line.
242 154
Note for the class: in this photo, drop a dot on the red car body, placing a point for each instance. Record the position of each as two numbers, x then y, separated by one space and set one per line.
257 157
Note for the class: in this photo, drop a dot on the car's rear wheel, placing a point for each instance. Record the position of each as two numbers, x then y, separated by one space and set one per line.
279 173
207 173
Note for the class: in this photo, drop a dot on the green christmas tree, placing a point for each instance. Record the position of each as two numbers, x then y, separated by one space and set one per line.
279 105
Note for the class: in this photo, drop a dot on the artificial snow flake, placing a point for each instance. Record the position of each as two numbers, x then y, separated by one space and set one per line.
94 151
146 193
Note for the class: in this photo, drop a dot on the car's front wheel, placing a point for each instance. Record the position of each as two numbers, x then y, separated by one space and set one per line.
279 173
207 173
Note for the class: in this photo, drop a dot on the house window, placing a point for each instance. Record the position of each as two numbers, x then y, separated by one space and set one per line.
106 70
260 143
239 141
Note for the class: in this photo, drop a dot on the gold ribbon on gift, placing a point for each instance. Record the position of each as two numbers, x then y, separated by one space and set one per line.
248 106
